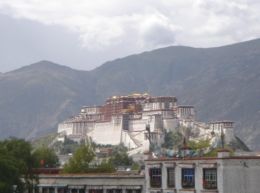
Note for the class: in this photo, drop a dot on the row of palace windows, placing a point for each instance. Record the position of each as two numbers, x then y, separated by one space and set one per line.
187 178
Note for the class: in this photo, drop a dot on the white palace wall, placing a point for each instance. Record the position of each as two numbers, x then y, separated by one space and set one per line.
107 132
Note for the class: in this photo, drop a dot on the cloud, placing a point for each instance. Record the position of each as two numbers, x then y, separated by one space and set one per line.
156 30
144 24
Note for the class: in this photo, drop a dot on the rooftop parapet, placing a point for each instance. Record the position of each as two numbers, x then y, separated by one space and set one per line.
223 124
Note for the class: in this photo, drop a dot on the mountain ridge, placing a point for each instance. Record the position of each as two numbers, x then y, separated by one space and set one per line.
221 82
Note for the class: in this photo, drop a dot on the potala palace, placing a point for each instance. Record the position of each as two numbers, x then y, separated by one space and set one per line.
125 119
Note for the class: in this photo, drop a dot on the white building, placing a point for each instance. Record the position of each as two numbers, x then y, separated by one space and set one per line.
123 119
227 127
224 174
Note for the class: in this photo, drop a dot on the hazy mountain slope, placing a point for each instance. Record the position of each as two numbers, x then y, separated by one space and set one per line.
36 97
222 83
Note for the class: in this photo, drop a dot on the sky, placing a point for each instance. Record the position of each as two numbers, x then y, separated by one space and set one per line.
83 34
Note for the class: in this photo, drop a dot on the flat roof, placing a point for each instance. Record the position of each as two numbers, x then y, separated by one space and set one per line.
202 158
92 175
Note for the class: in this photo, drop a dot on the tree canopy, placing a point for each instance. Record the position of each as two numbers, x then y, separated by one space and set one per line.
16 161
201 144
81 159
120 156
9 172
45 157
172 139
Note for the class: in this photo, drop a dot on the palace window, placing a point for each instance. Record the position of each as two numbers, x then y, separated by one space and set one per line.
188 178
155 177
210 178
170 177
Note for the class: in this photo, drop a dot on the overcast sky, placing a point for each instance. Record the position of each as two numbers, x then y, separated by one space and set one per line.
84 34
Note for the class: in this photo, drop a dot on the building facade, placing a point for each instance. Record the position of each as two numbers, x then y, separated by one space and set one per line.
224 174
91 183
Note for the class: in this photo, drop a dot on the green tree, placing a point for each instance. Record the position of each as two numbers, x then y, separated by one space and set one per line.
214 152
200 144
79 163
45 157
172 139
105 166
200 147
120 156
16 161
135 166
69 146
9 172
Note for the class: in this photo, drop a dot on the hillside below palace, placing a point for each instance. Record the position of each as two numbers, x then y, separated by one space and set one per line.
124 119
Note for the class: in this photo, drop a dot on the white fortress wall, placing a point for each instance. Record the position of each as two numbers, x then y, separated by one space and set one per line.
185 112
153 120
141 149
127 140
137 129
79 127
226 127
153 106
170 124
89 126
65 127
158 121
107 132
229 134
137 124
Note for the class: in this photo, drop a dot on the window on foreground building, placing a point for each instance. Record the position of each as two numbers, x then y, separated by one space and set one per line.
210 178
188 178
155 177
133 190
114 190
95 191
155 192
170 177
62 190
